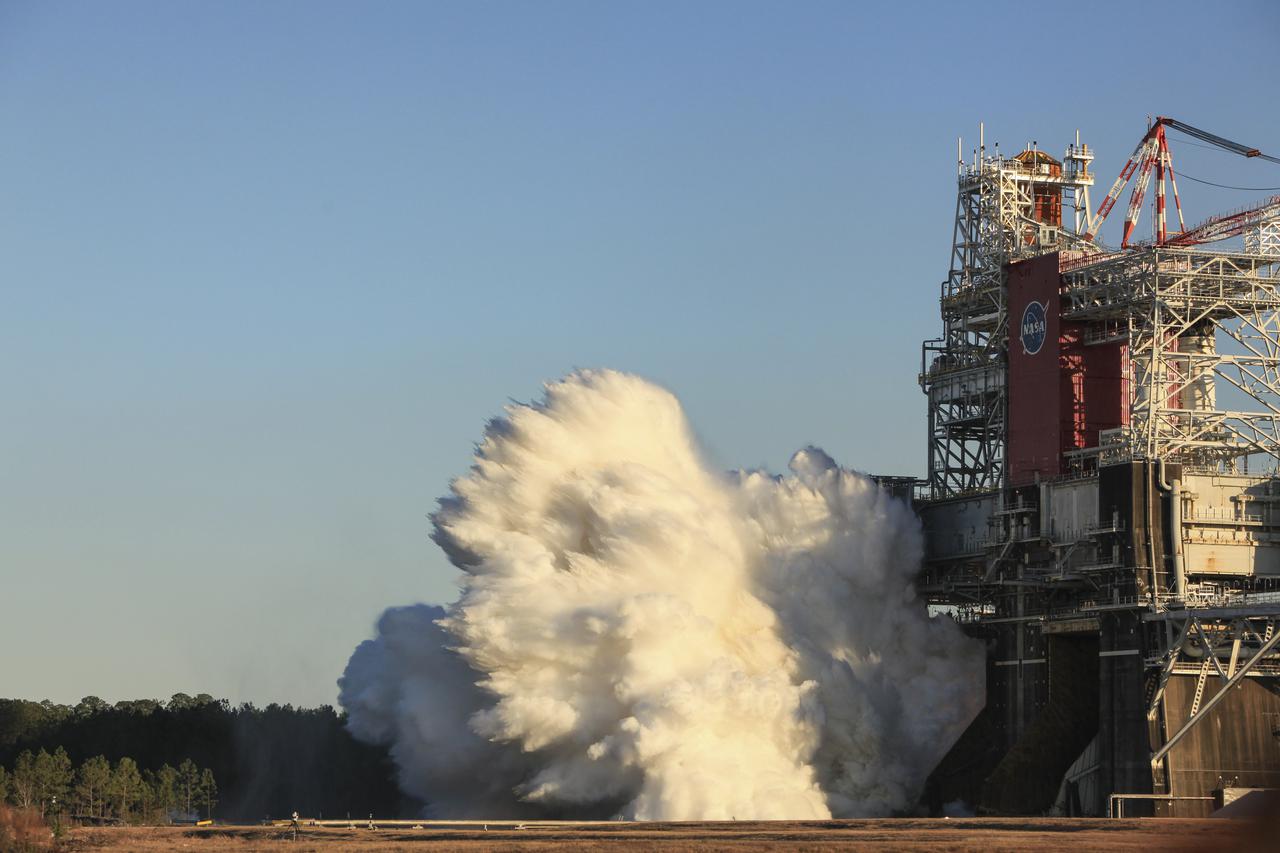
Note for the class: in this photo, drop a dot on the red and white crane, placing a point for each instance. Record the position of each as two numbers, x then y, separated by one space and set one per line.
1152 155
1227 224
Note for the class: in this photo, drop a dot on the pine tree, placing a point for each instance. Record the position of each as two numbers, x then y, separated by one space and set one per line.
126 787
208 792
181 702
92 780
89 706
188 785
165 787
53 779
147 797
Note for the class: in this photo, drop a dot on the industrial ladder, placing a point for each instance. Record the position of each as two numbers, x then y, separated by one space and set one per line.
1200 680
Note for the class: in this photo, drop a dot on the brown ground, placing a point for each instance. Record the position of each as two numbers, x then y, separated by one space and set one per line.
987 835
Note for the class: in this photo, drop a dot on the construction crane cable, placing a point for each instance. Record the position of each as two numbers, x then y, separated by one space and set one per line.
1227 186
1206 136
1212 148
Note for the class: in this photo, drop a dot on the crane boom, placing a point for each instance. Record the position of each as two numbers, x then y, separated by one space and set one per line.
1214 139
1228 224
1153 153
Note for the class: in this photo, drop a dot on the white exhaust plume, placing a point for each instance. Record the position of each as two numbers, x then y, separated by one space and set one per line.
640 635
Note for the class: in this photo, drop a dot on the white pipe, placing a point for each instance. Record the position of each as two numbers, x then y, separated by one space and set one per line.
1175 531
1148 475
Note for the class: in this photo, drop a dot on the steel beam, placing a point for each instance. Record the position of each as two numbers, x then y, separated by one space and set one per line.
1215 699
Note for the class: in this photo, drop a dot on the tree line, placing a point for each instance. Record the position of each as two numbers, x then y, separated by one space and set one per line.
49 783
267 761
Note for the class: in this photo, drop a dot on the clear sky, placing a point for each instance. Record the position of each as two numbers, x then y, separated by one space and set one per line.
267 268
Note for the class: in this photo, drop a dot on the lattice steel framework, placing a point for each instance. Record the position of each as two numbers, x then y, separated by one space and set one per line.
1000 217
1229 644
1195 323
1264 239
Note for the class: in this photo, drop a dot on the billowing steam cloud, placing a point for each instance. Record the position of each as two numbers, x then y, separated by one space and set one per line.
640 635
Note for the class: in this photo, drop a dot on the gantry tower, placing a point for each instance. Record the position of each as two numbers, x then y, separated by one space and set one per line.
1103 502
1007 209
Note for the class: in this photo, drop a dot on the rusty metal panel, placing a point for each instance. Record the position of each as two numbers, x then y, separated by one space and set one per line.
1224 558
1238 743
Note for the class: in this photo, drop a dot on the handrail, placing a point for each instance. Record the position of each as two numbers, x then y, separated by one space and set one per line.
1118 799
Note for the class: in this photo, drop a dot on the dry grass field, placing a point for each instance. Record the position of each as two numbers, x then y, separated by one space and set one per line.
972 834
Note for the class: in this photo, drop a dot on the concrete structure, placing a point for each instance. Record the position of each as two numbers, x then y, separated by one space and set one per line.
1102 505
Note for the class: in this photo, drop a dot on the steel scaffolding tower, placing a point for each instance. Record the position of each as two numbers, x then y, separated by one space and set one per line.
1007 209
1173 308
1263 239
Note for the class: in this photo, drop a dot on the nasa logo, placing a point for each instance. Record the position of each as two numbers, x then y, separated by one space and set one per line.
1033 328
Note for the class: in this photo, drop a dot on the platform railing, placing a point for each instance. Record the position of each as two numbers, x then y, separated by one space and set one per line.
1115 803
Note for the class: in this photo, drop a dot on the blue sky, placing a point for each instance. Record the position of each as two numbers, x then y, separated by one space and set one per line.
269 267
